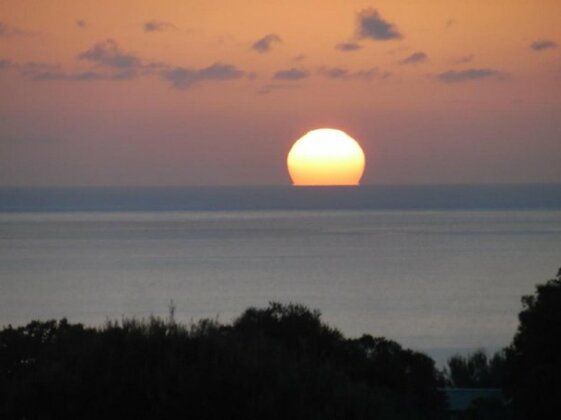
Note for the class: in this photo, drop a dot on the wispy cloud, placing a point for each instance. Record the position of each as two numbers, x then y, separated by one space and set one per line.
6 64
415 58
265 44
453 76
7 31
110 62
463 60
276 86
543 44
108 54
372 26
340 73
348 46
291 74
51 72
38 140
157 26
183 78
76 76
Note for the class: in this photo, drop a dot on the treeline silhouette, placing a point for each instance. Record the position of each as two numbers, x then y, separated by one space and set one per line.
476 370
279 362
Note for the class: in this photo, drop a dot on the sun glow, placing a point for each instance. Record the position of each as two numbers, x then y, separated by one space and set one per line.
326 157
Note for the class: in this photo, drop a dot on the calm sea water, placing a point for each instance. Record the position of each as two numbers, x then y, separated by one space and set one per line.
442 276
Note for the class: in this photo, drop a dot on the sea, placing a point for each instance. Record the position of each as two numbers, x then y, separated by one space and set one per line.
440 269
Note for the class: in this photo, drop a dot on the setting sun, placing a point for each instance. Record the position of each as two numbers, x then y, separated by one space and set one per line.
326 157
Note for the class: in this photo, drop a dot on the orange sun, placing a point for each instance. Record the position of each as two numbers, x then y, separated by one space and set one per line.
325 157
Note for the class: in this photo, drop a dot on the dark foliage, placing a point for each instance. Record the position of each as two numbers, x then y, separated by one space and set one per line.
534 358
281 362
476 370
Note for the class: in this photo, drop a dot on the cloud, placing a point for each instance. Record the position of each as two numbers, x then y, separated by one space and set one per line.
29 70
339 73
46 72
33 70
348 46
299 57
108 54
272 87
415 58
6 64
372 26
113 64
291 74
81 23
49 75
31 140
183 78
39 71
10 31
264 44
543 44
453 76
122 65
157 26
463 60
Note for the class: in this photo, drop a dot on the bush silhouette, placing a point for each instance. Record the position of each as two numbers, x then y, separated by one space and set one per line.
280 362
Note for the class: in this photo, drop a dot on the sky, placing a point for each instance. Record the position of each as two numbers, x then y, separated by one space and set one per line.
184 92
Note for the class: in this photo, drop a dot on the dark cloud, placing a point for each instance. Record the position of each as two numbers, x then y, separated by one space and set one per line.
9 31
182 78
372 26
543 44
415 58
264 44
453 76
157 26
339 73
108 54
348 46
291 74
80 23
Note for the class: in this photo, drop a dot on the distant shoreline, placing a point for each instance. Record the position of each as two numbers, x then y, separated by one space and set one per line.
500 197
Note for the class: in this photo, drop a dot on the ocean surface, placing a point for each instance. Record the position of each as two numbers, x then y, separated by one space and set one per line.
437 268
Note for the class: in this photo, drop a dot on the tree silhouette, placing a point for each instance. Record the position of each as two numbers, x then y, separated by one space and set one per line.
534 358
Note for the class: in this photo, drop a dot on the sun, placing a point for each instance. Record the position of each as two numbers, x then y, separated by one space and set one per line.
326 157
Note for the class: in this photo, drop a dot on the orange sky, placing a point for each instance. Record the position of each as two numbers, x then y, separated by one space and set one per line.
179 92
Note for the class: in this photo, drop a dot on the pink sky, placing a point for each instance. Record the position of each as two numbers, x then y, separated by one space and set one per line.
215 92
